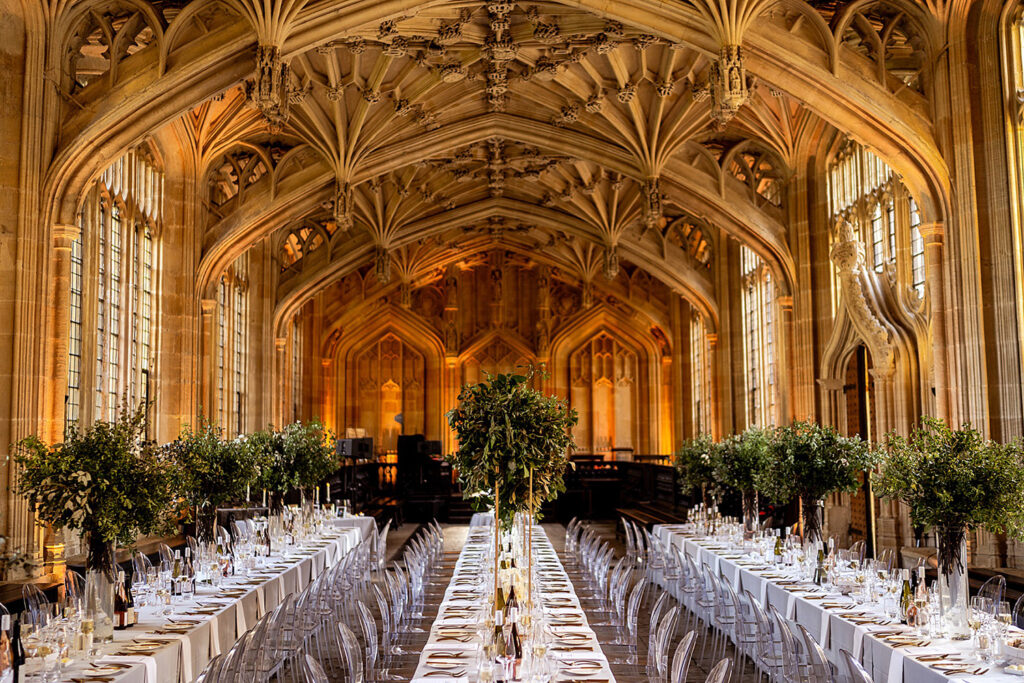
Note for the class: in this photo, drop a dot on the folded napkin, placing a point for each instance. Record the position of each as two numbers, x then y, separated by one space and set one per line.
145 660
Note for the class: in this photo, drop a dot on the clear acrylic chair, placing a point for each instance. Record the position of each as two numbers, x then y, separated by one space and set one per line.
855 671
312 671
720 672
993 591
819 670
657 670
682 656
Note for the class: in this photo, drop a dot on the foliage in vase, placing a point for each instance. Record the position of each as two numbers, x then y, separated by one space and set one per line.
695 463
952 481
810 462
105 481
740 459
300 456
505 428
214 472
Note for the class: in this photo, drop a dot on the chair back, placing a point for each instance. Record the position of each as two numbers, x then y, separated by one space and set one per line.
855 671
720 673
682 656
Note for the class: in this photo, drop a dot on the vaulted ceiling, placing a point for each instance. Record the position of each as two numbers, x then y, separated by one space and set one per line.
641 132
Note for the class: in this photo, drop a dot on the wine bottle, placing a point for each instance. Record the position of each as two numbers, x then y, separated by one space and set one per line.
778 549
190 571
119 603
176 574
819 569
130 618
906 597
17 650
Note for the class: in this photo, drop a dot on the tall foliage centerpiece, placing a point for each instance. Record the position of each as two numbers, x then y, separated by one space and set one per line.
809 462
514 445
739 462
954 481
299 457
214 472
106 482
695 465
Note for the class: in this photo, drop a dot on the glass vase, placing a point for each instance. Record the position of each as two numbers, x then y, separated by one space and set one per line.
206 523
750 519
953 581
813 509
100 578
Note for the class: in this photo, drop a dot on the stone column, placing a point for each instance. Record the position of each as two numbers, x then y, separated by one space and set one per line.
717 428
207 381
933 235
784 359
281 381
63 237
833 408
327 394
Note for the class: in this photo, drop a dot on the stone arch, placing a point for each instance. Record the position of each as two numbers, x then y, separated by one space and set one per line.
601 320
421 388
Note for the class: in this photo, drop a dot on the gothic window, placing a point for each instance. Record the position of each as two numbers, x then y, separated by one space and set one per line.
232 345
700 386
112 291
916 249
758 301
864 191
72 406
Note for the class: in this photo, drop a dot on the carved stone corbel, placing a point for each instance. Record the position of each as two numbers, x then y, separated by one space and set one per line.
848 256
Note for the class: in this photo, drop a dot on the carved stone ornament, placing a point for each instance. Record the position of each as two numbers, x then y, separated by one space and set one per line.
269 90
382 265
652 203
405 294
728 85
588 294
343 206
611 262
453 72
848 256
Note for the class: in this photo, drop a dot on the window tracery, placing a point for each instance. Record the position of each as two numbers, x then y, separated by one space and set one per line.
758 311
864 191
700 373
113 290
233 345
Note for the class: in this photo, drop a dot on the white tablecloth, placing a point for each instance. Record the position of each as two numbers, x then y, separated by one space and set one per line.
186 655
365 525
457 617
832 630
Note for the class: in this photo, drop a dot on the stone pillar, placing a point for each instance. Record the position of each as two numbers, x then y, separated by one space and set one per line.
933 235
833 408
784 360
207 382
59 313
717 428
281 381
327 394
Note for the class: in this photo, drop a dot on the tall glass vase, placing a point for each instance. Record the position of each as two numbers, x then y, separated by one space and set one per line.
750 520
813 509
100 578
206 523
954 593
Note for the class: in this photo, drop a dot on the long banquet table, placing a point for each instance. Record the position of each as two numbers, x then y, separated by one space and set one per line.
150 653
832 619
454 640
